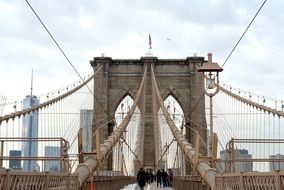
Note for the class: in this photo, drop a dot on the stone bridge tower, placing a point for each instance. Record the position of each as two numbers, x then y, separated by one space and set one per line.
121 77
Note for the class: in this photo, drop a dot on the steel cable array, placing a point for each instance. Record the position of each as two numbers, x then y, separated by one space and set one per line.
204 170
91 163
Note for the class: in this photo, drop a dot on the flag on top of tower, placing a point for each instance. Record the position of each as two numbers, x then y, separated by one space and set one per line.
150 41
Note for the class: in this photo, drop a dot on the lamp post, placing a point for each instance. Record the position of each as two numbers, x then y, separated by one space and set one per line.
211 71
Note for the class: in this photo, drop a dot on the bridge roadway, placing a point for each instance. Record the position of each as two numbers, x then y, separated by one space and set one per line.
153 186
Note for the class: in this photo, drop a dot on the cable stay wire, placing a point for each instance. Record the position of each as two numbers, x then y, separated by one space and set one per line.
64 54
228 57
243 34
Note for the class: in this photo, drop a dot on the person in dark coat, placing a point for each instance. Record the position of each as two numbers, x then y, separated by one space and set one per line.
164 178
151 177
170 172
148 179
159 178
141 178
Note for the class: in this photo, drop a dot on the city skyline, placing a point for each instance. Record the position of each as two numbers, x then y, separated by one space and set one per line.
238 166
276 165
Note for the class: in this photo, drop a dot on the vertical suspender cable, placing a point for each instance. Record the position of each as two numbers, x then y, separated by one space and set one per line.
13 132
274 137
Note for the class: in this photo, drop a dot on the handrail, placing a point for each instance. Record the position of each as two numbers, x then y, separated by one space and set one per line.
251 180
38 180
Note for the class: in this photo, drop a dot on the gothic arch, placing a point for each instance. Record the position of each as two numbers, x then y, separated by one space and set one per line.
184 103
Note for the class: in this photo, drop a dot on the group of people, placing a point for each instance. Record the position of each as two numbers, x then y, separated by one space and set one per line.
162 178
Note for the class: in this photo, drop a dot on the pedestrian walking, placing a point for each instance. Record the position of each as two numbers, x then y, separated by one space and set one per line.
164 178
141 178
171 174
159 178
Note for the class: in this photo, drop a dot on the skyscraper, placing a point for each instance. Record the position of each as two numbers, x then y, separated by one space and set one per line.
52 165
276 165
30 130
86 118
15 164
239 166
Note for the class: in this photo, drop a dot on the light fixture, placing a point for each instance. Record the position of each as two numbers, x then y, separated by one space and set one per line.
211 75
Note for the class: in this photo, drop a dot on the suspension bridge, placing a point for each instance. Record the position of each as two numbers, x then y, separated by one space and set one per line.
152 113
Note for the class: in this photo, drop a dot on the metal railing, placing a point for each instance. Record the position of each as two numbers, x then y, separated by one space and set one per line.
234 161
251 180
59 159
14 180
193 182
108 182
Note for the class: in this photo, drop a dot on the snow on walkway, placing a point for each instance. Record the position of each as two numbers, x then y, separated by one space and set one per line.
152 187
131 187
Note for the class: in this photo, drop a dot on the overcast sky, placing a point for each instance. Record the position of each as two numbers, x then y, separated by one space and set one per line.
120 28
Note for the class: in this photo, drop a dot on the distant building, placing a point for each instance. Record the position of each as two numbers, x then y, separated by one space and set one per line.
15 164
86 119
30 130
52 165
239 166
37 168
276 165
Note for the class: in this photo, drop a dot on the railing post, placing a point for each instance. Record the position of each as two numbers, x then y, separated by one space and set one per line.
46 181
69 182
214 150
7 182
111 183
80 145
242 185
222 183
278 184
91 183
1 154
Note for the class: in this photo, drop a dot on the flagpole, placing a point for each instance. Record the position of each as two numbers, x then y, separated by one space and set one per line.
149 54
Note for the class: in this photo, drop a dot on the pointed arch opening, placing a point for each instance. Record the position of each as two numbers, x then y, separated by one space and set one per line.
123 157
172 155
